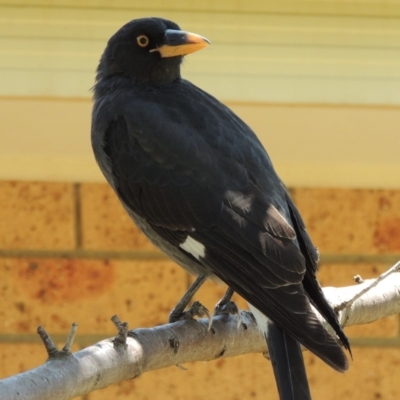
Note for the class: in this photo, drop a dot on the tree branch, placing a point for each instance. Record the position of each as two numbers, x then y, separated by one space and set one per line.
126 357
368 301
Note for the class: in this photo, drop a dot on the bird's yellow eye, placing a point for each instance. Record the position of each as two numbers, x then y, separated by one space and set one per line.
142 40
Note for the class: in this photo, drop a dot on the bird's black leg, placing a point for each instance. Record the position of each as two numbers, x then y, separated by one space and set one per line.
227 306
196 309
288 365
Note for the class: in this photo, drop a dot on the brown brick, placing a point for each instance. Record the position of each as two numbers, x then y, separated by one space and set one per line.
373 375
338 275
20 357
56 292
385 327
105 223
246 377
350 220
36 215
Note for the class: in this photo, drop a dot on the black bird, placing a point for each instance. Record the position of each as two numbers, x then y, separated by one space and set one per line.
197 181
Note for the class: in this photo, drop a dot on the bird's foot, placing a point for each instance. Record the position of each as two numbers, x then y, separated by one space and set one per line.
179 309
195 310
227 306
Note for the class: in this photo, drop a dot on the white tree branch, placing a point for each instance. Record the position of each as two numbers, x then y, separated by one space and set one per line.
368 301
66 375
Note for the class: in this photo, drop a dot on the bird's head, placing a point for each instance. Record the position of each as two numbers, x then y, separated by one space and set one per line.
148 51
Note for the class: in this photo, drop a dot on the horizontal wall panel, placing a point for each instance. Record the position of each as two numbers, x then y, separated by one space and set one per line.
219 59
331 146
281 89
318 7
264 28
263 57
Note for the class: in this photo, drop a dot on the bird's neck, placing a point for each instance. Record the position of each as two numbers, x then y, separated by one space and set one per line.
118 84
158 77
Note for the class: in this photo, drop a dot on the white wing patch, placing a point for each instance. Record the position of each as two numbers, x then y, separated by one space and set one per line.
195 248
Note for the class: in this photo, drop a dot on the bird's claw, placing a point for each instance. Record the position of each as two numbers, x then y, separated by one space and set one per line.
228 308
195 310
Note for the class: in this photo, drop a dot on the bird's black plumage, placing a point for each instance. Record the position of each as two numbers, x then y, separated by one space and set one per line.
189 171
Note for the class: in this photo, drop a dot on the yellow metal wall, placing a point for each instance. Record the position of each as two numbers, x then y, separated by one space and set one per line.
318 80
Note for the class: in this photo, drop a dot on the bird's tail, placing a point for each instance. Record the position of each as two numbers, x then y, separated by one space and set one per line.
286 358
288 364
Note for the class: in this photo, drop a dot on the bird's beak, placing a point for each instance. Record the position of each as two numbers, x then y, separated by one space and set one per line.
180 43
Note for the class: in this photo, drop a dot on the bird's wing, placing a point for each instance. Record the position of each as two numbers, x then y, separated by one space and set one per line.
310 282
267 270
209 203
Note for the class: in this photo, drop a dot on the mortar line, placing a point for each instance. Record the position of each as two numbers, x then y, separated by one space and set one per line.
82 253
388 259
78 215
398 326
88 339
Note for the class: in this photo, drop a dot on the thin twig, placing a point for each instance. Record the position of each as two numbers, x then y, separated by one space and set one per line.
47 341
348 303
71 337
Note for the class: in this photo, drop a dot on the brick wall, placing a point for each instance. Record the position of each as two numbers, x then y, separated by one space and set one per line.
69 253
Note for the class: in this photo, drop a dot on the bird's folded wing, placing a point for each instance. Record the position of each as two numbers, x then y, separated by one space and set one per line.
169 191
